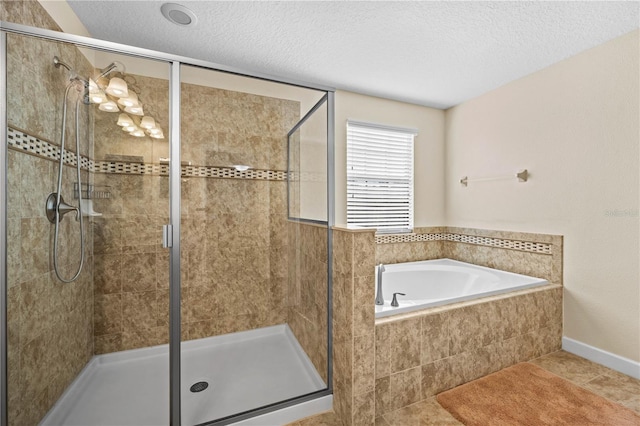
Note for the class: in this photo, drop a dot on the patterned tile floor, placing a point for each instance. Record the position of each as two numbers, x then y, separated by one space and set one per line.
600 380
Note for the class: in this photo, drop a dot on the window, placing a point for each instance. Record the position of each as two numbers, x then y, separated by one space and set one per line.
379 177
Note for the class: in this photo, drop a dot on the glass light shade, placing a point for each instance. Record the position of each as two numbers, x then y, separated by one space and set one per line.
117 87
157 135
108 106
129 101
137 133
131 128
98 97
124 120
147 123
135 110
93 86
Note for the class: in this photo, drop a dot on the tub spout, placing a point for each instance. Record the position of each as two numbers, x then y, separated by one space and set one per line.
379 298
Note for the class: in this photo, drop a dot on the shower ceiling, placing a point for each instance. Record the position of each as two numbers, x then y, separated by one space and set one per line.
430 53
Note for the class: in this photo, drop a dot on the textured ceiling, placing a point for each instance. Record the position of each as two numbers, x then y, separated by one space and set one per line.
430 53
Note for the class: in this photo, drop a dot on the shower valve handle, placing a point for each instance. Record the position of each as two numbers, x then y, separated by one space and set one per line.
63 208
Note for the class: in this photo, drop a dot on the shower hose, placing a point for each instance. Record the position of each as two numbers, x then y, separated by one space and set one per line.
56 267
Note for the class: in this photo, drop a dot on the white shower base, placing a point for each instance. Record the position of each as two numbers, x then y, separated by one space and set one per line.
244 370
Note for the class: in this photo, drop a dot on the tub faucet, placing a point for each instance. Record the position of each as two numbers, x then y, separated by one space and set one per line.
379 298
394 302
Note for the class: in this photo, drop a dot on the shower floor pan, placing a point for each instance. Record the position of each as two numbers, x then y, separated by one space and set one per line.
243 371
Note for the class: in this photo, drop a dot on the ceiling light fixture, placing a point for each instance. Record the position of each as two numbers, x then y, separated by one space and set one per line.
118 95
178 14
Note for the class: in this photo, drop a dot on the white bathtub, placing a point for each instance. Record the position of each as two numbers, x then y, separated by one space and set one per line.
443 281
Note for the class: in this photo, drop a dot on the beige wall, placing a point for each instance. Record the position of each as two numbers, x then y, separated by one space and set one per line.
574 125
429 150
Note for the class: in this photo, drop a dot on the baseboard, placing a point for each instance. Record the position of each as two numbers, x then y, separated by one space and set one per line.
615 362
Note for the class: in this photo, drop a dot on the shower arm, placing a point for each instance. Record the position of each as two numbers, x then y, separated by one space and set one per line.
119 66
116 65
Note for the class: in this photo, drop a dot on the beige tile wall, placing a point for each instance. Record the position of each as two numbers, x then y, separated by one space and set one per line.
353 326
385 364
413 251
547 266
306 293
234 232
50 323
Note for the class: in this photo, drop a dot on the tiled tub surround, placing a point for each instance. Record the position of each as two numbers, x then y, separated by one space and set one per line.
50 324
537 255
421 354
385 364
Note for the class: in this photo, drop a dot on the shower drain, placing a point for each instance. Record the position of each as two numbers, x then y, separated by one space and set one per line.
199 386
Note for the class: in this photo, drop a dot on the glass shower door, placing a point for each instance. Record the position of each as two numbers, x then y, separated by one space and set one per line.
240 355
87 350
242 272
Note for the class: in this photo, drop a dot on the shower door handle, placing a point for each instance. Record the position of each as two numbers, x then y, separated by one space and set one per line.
167 236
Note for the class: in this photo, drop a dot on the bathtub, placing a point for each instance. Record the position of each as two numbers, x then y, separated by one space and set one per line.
439 282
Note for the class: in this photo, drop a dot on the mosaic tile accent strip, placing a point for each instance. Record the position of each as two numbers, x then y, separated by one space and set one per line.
24 142
528 246
409 238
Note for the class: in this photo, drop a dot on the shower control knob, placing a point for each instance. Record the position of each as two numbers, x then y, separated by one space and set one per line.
63 208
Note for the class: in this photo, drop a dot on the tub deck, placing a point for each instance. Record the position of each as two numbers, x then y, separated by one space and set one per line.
431 283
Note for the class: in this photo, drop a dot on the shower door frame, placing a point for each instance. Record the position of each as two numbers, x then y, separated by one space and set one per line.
171 230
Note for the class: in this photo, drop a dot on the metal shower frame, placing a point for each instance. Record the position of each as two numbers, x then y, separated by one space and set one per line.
173 228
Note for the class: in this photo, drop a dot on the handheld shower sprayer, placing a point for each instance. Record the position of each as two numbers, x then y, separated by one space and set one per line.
55 206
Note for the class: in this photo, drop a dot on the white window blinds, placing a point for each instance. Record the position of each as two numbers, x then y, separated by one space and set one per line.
379 177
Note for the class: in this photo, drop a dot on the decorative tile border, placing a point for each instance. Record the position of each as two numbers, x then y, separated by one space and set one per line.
26 143
529 246
409 238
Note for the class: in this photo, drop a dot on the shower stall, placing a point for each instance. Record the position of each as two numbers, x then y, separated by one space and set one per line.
190 283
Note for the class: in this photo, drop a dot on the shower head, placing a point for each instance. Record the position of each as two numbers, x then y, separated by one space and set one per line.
73 75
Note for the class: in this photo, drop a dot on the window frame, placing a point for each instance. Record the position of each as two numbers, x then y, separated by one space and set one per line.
395 159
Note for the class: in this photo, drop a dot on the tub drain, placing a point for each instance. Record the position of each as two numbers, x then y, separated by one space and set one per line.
199 387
